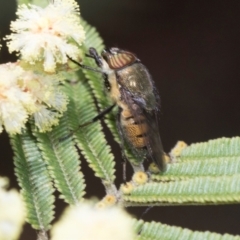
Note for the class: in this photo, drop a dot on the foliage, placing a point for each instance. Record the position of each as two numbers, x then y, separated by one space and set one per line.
203 173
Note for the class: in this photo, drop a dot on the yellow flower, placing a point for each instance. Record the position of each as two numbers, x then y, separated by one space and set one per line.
87 222
27 93
48 34
177 150
44 88
126 188
45 119
15 104
140 177
12 212
49 101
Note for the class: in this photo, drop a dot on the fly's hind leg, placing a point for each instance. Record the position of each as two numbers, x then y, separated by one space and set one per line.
99 116
122 146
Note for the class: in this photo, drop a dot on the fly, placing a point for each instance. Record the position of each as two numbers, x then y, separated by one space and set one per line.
132 90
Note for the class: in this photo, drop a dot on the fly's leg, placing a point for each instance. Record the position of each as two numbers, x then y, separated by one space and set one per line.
122 145
85 67
145 212
92 54
98 117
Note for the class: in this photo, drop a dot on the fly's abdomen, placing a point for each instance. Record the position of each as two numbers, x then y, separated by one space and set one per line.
135 130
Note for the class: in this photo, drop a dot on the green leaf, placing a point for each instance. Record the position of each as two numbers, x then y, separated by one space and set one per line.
201 190
219 157
90 139
222 147
222 166
93 38
156 231
63 162
33 178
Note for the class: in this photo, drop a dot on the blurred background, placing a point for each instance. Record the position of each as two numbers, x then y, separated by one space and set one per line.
191 49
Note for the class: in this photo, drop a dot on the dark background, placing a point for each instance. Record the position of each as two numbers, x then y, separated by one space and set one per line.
191 49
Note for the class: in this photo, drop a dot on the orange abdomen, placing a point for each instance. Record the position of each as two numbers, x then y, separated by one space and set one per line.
135 130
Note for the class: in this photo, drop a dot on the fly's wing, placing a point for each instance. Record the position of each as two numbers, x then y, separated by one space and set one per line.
152 141
128 152
136 115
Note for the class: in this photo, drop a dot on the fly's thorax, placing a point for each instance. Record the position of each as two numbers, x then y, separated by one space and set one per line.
137 80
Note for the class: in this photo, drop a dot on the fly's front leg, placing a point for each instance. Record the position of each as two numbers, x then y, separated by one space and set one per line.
98 117
94 55
86 67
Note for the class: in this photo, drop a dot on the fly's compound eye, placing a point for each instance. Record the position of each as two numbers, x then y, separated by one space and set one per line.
118 59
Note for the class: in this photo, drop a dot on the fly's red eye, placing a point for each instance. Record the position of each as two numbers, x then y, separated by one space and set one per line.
120 60
117 58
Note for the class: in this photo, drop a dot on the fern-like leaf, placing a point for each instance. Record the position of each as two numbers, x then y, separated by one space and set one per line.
201 190
156 231
63 162
212 167
34 180
90 139
219 157
222 147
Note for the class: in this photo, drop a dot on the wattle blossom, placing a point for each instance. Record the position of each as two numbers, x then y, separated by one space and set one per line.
29 93
12 212
87 222
47 35
15 104
49 101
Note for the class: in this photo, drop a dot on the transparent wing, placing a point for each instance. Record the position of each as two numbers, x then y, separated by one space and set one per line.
154 143
147 122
